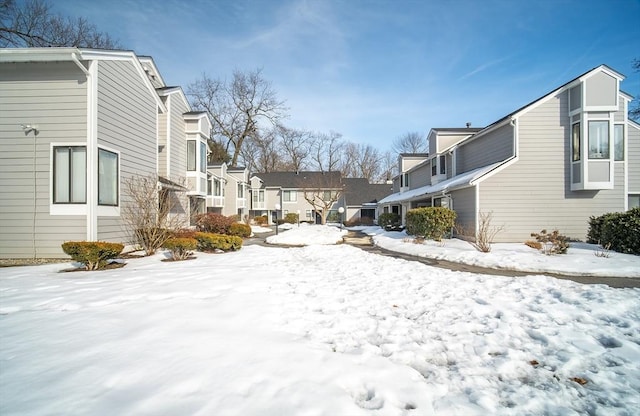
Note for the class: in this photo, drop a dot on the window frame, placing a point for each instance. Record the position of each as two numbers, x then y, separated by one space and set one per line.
598 141
289 196
442 162
618 142
70 174
117 178
576 142
192 157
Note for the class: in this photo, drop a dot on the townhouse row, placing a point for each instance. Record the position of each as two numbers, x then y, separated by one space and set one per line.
77 124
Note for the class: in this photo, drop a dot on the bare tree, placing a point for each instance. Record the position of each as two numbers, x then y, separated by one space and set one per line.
412 142
295 144
321 190
362 161
239 108
327 151
32 23
388 167
150 212
260 154
634 111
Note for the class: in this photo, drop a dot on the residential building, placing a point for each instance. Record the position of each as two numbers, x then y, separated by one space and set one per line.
569 155
74 125
360 199
227 191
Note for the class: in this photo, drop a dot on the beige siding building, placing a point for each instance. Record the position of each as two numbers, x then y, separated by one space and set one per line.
549 165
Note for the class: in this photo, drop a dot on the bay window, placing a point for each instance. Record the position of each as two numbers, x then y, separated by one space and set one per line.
191 155
618 142
575 142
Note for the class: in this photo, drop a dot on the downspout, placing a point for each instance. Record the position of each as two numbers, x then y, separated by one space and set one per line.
92 146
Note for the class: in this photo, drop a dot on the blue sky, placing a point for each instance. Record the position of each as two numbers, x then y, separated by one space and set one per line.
376 69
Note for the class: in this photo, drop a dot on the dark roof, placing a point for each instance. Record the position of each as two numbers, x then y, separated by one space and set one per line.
458 129
414 154
359 191
293 180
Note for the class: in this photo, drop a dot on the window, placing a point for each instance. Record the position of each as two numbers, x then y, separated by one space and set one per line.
598 140
329 195
217 188
257 196
191 155
209 186
618 142
308 213
289 196
240 190
443 165
575 142
69 175
107 178
406 179
434 167
633 200
203 157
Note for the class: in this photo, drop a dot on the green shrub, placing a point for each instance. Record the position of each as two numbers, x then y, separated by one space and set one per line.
214 223
359 221
620 231
93 254
240 229
181 248
212 242
388 219
553 243
430 222
291 218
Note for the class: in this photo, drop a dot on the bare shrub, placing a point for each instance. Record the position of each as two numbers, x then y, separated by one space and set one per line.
481 239
603 251
149 215
552 243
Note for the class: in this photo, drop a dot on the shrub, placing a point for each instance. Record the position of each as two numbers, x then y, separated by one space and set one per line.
486 232
359 221
151 239
430 222
291 218
261 220
388 219
214 223
93 254
240 229
212 242
533 244
181 248
554 243
184 233
620 231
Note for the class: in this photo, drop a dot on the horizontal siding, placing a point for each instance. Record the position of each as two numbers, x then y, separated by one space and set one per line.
53 97
535 193
485 150
163 149
127 122
633 158
420 176
464 204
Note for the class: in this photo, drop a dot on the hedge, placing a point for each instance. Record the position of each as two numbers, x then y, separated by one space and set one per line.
291 218
430 222
618 231
388 219
239 229
214 223
93 254
181 247
212 242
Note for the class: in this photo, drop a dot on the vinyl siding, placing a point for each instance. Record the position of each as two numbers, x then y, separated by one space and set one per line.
485 150
464 204
53 97
177 149
633 158
127 117
421 176
163 149
534 193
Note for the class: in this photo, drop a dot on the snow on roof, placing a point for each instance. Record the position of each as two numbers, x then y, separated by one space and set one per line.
458 181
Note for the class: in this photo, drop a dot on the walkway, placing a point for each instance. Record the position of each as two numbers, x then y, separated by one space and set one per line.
364 242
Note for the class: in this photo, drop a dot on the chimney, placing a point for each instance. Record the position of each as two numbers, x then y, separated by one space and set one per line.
468 124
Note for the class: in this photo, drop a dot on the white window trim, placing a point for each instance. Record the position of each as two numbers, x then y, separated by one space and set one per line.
65 209
106 210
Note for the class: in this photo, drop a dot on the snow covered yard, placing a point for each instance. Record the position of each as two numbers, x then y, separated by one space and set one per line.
317 330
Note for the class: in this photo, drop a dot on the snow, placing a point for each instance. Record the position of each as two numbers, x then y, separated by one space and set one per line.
580 260
306 234
315 330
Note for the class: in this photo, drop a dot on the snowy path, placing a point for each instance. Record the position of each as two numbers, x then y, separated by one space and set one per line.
319 330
